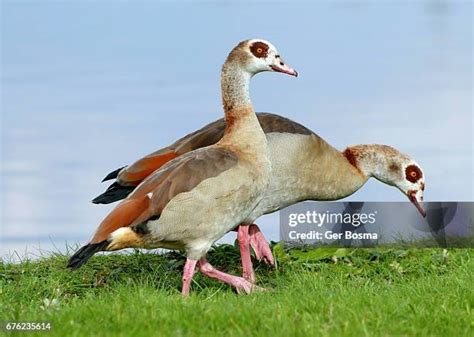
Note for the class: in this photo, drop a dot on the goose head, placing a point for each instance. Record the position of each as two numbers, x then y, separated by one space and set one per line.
408 177
413 184
391 167
256 55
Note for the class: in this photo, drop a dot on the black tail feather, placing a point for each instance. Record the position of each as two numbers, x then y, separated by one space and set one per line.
113 174
114 193
85 253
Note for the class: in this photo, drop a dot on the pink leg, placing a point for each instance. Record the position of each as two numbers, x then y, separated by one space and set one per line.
188 274
238 282
244 244
260 245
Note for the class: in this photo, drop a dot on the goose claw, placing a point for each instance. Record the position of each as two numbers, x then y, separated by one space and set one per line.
260 245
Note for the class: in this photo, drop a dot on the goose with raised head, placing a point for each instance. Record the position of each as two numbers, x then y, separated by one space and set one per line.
305 167
194 199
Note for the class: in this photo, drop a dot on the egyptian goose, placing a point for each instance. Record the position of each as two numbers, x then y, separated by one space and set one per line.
305 167
193 200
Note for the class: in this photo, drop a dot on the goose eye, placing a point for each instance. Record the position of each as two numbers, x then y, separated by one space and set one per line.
413 173
259 49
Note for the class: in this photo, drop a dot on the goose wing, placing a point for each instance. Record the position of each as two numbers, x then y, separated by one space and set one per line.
130 176
177 176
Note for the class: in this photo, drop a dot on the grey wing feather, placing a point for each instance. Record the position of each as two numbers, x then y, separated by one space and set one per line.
184 173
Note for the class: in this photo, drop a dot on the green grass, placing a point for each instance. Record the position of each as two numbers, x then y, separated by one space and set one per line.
322 292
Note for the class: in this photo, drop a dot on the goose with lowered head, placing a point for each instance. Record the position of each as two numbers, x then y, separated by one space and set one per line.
304 167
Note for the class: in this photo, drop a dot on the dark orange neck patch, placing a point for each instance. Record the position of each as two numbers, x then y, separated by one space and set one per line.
351 157
413 173
259 49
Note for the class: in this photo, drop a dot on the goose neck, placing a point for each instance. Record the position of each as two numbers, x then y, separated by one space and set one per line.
235 93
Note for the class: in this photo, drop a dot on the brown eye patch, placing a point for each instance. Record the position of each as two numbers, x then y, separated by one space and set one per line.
259 49
413 173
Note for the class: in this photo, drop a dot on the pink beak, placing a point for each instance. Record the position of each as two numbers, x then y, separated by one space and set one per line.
285 69
414 200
